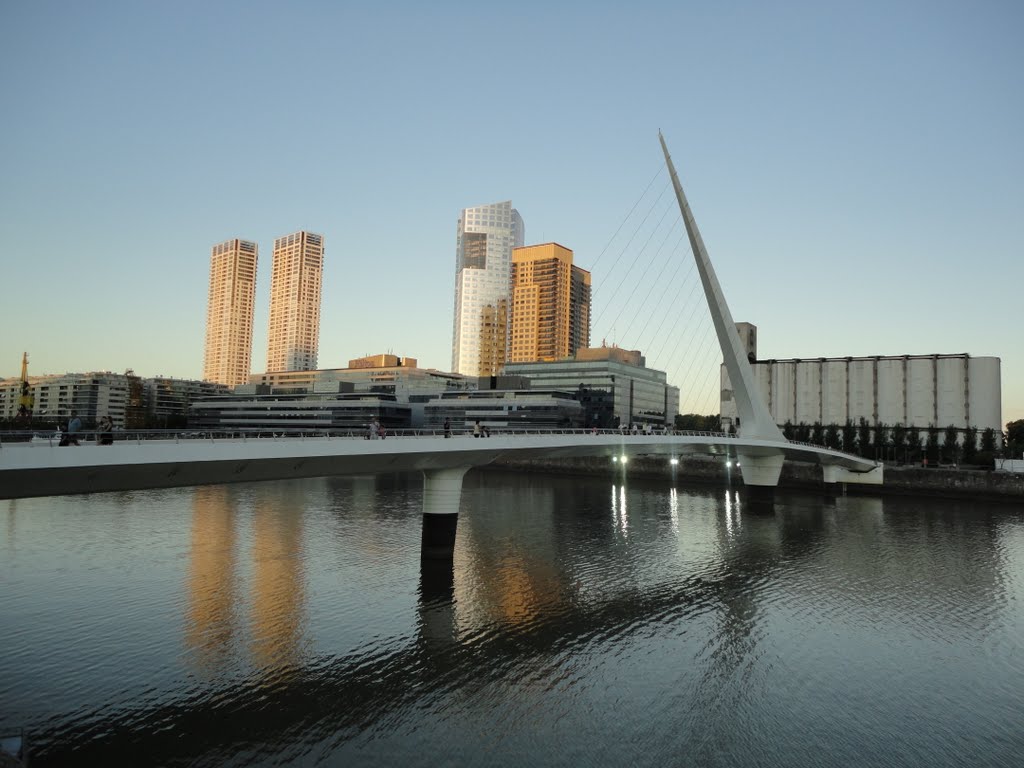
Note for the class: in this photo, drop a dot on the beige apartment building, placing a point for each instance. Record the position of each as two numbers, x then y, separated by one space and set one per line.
550 304
229 311
295 283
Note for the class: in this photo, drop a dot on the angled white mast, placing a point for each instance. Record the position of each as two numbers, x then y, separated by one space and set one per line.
755 420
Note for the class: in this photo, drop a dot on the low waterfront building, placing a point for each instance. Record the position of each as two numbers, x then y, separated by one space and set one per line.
91 395
506 409
407 383
615 383
920 391
298 412
130 401
167 399
380 374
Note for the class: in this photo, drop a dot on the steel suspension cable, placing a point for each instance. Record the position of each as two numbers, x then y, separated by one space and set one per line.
631 238
657 281
633 264
661 169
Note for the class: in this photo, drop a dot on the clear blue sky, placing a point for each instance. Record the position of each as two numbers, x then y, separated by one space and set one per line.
857 169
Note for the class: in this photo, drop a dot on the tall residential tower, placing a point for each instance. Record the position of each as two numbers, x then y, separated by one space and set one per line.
484 241
550 304
296 277
229 312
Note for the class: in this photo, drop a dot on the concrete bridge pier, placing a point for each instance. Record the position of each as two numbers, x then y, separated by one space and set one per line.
830 482
760 477
442 493
437 631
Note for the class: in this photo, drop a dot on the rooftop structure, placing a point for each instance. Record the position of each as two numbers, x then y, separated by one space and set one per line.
382 361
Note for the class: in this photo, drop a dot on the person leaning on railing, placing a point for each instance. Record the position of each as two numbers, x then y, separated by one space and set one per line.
105 431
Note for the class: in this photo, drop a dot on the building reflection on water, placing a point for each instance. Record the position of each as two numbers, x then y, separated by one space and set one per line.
506 568
278 580
212 625
216 627
544 568
528 548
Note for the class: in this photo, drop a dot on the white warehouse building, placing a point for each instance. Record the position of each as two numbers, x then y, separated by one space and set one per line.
912 390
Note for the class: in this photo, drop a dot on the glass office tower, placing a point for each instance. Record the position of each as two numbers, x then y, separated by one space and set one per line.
485 238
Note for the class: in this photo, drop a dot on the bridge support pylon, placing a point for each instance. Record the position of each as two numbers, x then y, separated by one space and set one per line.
830 482
442 493
761 477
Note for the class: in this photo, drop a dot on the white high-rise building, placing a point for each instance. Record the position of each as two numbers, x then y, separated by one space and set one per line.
485 238
296 277
228 355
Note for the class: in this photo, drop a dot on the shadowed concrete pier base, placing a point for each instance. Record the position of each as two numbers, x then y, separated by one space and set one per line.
759 498
761 478
442 494
831 491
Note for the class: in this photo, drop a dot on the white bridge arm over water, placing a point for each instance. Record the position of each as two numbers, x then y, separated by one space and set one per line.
34 469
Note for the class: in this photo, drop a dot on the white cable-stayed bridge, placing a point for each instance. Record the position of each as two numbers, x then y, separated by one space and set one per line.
652 303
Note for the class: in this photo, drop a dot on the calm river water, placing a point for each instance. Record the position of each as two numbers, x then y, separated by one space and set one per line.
586 622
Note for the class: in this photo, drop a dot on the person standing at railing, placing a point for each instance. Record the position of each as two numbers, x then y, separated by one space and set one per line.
106 431
447 427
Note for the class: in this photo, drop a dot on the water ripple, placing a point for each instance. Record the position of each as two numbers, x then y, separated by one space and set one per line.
582 624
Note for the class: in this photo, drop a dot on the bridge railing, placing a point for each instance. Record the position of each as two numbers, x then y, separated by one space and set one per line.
96 437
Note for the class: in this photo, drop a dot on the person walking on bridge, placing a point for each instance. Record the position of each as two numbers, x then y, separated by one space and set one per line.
74 427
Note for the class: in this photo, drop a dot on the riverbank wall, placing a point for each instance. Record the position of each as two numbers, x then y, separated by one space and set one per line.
703 470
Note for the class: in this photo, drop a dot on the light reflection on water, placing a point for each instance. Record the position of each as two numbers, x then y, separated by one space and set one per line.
584 621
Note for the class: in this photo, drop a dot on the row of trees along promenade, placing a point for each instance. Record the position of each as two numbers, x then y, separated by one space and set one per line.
896 443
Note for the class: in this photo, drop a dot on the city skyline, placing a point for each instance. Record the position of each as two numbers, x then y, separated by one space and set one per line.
857 172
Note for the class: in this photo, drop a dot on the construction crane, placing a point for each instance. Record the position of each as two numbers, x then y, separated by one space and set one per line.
25 400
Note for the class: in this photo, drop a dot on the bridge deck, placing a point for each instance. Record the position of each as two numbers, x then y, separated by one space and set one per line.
46 469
